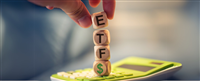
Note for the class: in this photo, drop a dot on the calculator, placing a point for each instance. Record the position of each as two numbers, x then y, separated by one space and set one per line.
128 69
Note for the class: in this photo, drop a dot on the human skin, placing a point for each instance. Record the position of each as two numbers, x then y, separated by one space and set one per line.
76 9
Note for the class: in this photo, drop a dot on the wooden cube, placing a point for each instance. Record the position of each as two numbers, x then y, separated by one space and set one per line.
102 68
101 37
99 20
102 52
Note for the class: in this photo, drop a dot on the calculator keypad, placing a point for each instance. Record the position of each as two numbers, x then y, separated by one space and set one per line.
89 75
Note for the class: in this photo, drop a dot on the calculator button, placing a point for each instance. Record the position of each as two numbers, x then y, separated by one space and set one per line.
85 72
127 74
129 77
120 78
88 76
108 77
67 75
60 73
73 80
76 74
73 77
118 75
70 72
80 78
118 72
98 78
125 77
93 79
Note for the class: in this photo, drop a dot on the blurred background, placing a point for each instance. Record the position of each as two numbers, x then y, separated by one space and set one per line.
36 42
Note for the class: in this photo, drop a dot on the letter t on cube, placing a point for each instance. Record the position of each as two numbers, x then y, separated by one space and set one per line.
101 37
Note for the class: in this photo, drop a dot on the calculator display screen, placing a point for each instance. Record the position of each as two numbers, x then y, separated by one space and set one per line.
136 67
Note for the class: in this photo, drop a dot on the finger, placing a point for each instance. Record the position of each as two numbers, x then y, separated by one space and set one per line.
109 8
41 2
75 9
94 3
53 3
79 14
50 7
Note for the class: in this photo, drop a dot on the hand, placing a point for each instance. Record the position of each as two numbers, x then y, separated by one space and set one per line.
76 9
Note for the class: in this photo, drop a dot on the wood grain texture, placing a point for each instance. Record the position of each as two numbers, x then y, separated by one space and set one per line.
102 52
101 37
99 20
103 70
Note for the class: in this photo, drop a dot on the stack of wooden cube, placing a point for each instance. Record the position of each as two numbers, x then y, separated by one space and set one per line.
101 38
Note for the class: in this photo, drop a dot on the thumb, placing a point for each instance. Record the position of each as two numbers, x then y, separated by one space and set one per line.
75 9
79 14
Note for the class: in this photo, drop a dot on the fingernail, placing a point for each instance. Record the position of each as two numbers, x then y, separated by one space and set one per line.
50 7
85 21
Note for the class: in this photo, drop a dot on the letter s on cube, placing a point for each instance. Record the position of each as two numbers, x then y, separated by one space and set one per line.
102 68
